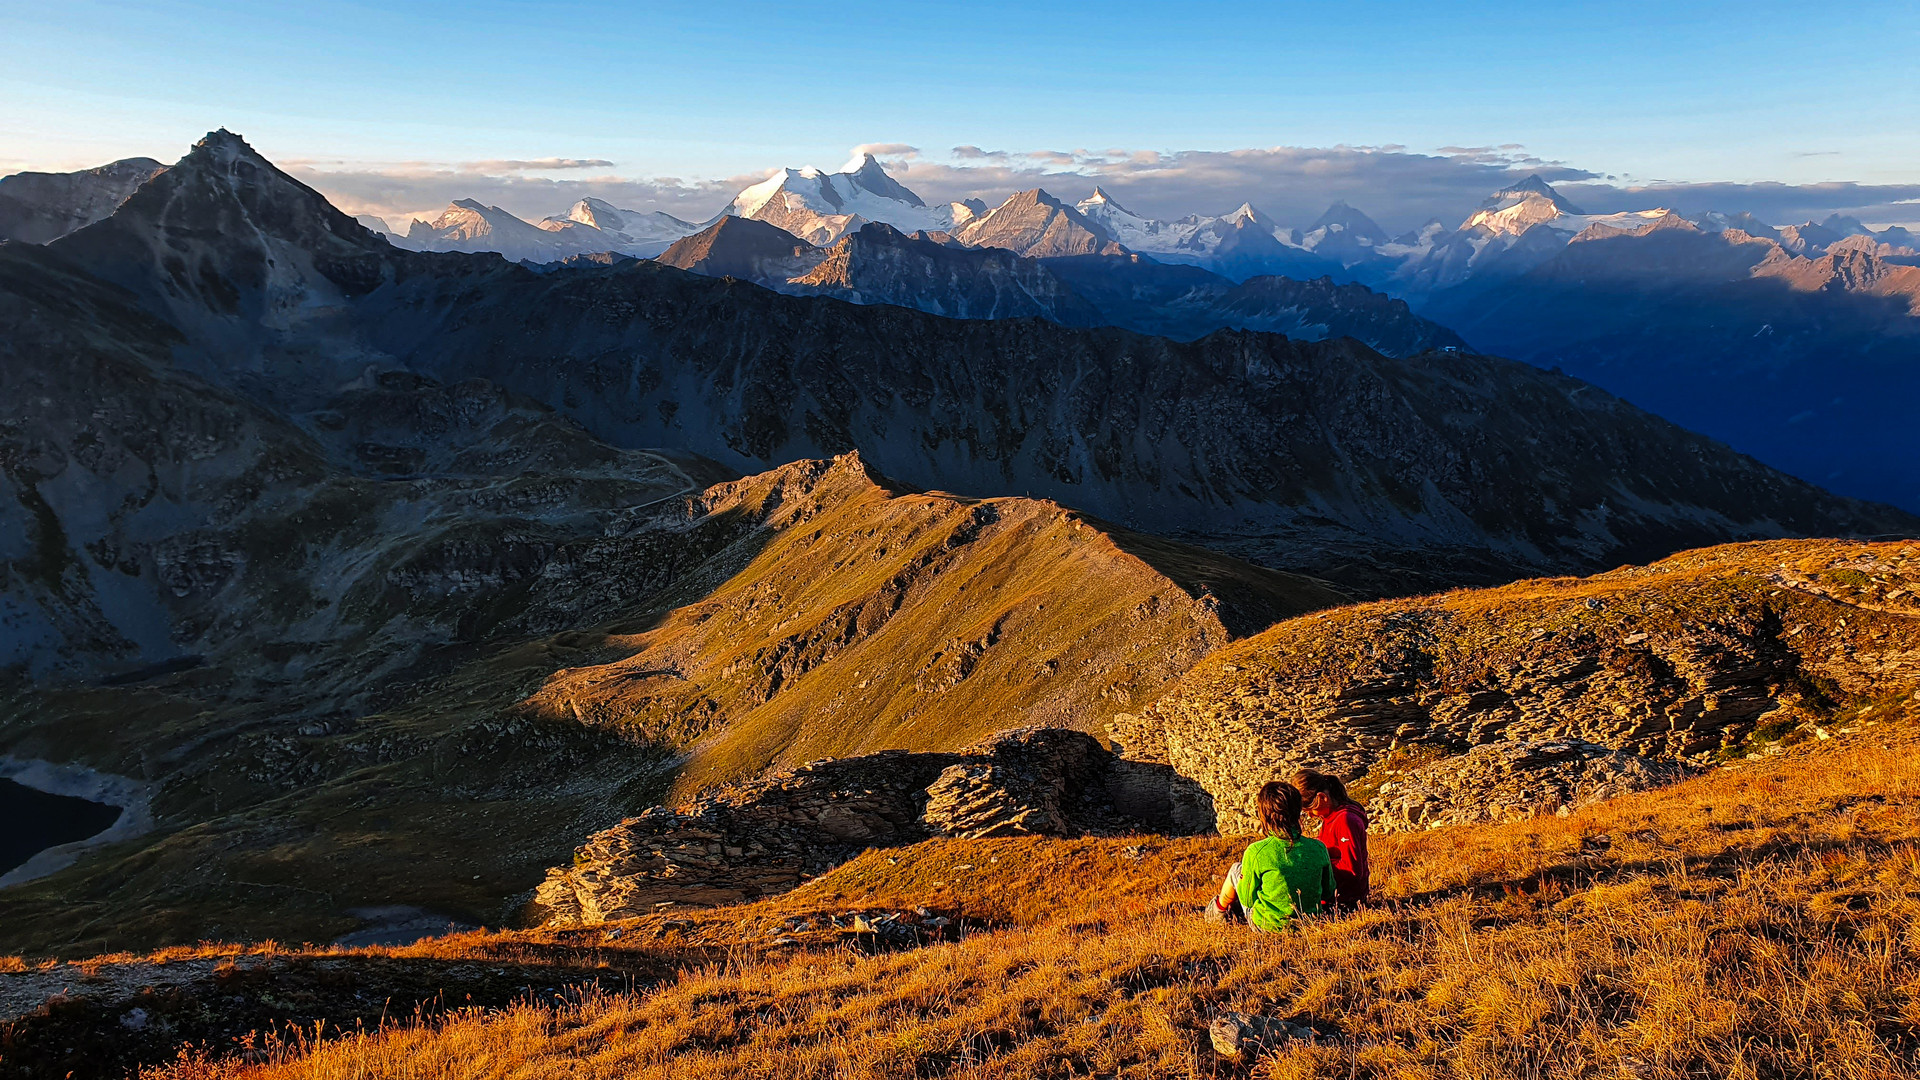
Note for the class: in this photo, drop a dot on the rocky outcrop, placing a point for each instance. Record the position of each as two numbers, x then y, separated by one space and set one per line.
1678 662
770 835
1512 781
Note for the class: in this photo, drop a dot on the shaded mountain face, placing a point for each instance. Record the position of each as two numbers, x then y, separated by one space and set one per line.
38 207
150 516
1035 224
742 248
880 265
1186 302
1806 363
939 275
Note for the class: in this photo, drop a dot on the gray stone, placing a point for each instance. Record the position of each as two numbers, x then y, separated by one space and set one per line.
1243 1037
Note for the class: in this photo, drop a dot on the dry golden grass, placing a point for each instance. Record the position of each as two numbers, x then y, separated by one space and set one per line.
1757 922
876 619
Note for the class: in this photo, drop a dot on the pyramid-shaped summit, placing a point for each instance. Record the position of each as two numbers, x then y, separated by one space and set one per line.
1101 198
873 176
1341 217
1531 187
223 204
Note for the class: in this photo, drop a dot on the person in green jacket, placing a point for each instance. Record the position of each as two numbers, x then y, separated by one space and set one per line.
1283 875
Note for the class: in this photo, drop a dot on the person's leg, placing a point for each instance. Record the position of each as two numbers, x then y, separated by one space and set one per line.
1226 906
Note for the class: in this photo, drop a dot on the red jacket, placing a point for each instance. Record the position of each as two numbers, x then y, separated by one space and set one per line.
1345 833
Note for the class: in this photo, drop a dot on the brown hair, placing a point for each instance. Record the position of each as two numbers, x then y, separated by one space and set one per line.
1313 783
1278 808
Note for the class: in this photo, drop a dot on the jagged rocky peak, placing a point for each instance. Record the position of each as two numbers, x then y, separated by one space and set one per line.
868 173
821 207
234 235
1248 214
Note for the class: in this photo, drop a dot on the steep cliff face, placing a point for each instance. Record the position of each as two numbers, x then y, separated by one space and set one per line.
1681 662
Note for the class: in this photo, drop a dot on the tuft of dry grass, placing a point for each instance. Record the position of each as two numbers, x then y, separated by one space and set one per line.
1762 921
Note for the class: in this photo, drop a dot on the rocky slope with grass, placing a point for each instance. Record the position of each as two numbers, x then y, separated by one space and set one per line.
1705 656
444 753
1641 934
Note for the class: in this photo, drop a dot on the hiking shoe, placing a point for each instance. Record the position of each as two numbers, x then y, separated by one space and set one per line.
1213 913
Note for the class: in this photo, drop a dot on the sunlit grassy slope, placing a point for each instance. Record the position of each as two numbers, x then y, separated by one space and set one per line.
1759 921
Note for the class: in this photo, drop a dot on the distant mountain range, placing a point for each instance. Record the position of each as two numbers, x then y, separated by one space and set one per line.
1794 343
468 418
937 273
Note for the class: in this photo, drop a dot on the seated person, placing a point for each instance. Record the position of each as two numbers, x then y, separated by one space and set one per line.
1282 876
1343 829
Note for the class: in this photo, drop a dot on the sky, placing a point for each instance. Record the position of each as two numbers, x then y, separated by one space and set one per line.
1407 110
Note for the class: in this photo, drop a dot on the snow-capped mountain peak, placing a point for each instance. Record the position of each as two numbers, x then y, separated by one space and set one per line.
821 207
1101 198
1513 210
640 233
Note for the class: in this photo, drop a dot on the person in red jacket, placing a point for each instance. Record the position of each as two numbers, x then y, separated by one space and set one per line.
1343 829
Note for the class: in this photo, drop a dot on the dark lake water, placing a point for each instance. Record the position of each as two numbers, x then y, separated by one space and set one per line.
32 821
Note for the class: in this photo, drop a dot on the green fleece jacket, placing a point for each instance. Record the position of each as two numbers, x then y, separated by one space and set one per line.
1280 879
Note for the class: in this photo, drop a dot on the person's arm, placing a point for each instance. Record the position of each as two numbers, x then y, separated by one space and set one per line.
1326 886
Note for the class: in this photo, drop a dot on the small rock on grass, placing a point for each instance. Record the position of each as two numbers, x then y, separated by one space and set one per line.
1242 1037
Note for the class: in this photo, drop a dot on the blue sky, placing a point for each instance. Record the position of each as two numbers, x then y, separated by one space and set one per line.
1639 93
